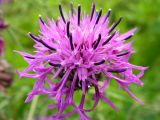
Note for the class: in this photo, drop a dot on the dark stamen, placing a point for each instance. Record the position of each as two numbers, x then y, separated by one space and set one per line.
68 23
40 18
55 65
117 70
98 40
122 54
109 38
34 37
107 15
79 14
72 10
71 42
92 11
29 57
47 46
99 15
42 42
115 24
81 54
94 43
128 37
57 22
61 12
99 63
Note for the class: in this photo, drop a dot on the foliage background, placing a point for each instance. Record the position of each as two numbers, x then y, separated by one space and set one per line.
22 17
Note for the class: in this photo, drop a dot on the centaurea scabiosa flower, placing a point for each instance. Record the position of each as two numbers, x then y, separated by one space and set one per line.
76 51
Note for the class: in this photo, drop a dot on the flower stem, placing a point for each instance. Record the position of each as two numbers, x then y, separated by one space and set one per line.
32 109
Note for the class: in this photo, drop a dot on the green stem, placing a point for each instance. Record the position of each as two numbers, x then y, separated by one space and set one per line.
32 109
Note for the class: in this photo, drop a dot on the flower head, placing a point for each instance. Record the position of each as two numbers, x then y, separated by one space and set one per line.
76 51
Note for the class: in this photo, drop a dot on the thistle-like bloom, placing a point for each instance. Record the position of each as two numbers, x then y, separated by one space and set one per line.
76 51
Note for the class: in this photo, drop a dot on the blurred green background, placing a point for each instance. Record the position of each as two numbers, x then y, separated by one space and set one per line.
22 17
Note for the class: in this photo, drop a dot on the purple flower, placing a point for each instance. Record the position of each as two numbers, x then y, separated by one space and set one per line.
73 53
